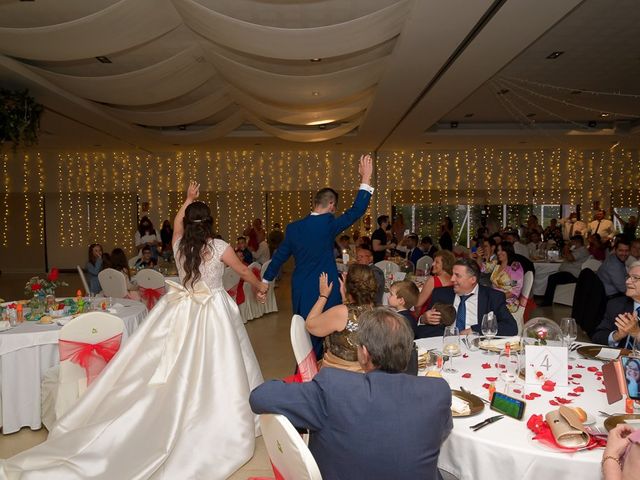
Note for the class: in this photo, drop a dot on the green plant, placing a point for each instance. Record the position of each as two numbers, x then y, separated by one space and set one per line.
19 118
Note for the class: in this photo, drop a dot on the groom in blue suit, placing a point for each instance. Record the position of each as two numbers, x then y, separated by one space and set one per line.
310 240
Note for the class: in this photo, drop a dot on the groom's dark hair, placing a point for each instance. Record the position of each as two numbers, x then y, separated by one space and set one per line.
324 197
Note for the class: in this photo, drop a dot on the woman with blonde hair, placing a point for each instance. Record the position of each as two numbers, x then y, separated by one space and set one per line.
339 324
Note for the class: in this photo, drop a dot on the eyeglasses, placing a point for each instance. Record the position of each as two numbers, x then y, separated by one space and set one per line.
633 278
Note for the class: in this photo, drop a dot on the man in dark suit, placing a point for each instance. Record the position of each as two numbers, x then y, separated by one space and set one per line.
471 301
364 256
414 253
381 425
620 326
310 241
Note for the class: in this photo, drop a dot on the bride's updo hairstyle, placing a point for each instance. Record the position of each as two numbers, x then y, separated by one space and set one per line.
198 230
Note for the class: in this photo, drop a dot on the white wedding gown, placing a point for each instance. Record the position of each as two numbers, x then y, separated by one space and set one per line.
173 404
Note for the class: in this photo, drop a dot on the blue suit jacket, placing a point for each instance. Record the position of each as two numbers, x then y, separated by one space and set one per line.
310 241
376 426
489 300
416 255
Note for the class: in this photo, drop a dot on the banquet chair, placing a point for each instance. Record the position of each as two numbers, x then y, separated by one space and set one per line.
289 455
151 286
85 285
388 267
113 283
303 349
589 301
525 296
250 308
65 383
564 293
230 279
424 264
271 305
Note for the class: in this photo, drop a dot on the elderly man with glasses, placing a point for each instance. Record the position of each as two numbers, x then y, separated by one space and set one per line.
619 327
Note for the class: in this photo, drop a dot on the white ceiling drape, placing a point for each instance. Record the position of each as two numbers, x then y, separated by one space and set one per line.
218 130
123 25
295 43
170 78
304 136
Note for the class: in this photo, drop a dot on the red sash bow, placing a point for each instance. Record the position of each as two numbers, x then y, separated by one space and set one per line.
83 354
150 296
237 292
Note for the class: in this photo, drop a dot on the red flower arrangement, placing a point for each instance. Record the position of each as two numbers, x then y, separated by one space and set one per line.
46 286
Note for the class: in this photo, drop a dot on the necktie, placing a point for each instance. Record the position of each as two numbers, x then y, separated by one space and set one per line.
598 226
461 314
629 344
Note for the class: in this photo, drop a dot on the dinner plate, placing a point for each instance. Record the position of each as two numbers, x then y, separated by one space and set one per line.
485 345
476 405
614 420
591 351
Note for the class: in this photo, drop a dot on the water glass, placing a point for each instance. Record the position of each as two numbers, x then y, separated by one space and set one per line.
489 326
635 349
508 368
451 346
473 341
569 330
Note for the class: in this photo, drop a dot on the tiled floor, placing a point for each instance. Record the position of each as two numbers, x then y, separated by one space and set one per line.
270 339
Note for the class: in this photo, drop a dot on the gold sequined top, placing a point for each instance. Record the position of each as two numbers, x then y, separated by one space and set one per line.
343 344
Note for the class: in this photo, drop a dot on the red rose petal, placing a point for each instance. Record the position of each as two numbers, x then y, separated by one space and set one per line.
548 388
570 367
530 396
466 355
466 375
579 366
592 369
576 375
539 374
579 389
492 379
516 390
571 394
485 385
534 394
602 390
486 365
563 401
554 403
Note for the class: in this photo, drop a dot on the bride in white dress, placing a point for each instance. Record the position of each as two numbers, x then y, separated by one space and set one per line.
173 403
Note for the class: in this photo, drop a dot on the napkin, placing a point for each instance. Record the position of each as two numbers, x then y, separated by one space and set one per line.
501 342
459 406
608 354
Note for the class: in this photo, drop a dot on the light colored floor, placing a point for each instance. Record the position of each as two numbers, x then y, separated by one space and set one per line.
269 336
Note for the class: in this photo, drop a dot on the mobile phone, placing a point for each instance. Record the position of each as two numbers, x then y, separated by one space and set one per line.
507 405
631 369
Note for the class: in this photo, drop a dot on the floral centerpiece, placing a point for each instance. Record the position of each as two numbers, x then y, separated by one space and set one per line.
37 286
541 331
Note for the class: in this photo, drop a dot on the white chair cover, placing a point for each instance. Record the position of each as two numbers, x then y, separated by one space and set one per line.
287 451
271 305
564 293
230 278
388 267
64 384
527 285
424 263
149 278
113 283
303 349
85 285
251 308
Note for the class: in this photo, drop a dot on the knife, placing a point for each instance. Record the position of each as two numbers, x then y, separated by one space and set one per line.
488 421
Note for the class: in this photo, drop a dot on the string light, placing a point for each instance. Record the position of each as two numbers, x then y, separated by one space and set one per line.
5 202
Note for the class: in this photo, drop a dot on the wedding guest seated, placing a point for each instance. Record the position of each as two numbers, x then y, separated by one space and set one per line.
377 426
403 296
574 255
553 232
597 249
487 260
471 301
535 246
339 324
241 245
613 270
146 260
427 246
508 276
342 245
619 327
93 267
634 252
413 252
621 457
118 261
146 236
441 271
518 247
364 256
363 242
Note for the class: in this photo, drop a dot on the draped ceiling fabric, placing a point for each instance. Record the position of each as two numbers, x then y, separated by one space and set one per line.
284 97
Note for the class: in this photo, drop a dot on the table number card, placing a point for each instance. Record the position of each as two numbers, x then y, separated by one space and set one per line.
546 363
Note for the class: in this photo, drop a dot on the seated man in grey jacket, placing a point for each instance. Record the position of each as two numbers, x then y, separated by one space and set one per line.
381 425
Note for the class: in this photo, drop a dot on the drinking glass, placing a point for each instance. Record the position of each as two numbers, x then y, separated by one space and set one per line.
489 327
635 349
569 332
451 346
509 368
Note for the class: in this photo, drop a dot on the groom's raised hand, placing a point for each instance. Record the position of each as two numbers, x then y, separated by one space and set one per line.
366 168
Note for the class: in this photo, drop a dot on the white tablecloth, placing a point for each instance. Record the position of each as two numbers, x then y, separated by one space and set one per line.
543 270
27 352
506 450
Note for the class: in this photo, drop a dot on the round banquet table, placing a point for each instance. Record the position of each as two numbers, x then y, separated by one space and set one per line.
543 270
27 351
505 449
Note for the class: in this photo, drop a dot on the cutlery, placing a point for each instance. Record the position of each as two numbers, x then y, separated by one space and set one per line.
610 414
574 347
462 389
488 421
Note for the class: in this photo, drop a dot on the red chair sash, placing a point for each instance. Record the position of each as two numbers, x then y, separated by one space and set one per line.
308 367
237 292
150 296
93 357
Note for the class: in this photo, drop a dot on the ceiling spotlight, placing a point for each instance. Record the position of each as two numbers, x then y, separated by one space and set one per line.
182 127
453 124
103 59
315 93
604 115
468 115
554 55
531 115
592 124
315 60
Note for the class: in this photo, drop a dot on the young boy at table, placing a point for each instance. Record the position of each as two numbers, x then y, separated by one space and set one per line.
403 296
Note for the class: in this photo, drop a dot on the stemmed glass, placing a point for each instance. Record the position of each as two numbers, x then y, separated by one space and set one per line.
635 349
489 327
509 368
569 332
451 346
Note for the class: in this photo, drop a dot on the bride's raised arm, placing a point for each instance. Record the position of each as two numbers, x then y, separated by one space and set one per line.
193 192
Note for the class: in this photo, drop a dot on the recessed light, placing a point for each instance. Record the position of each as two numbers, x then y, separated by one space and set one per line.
182 127
504 91
531 115
453 124
315 93
554 55
103 59
468 115
604 115
315 60
592 124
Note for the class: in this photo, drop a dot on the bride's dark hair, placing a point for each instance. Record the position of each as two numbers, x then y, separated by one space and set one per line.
198 226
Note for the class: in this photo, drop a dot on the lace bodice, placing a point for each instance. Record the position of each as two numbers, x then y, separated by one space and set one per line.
211 269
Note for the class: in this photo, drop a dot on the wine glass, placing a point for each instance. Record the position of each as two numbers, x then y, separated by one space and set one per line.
489 327
569 331
509 368
635 349
451 346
